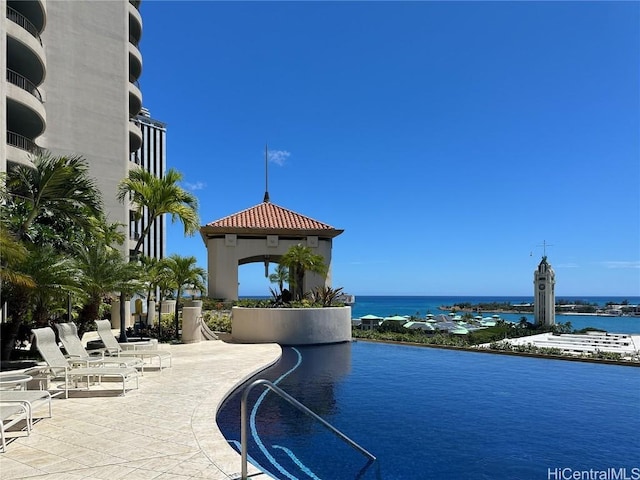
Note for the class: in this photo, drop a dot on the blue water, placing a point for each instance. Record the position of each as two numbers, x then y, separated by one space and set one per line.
440 414
418 305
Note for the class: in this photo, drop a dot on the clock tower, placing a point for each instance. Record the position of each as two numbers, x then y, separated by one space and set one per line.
544 306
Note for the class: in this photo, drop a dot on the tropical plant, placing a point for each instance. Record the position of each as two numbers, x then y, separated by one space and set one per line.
184 273
299 259
47 206
12 252
57 188
153 197
326 296
103 271
280 276
55 276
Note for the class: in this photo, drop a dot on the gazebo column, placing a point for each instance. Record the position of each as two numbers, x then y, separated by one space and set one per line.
222 268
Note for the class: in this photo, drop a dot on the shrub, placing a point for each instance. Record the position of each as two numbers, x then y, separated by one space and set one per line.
218 321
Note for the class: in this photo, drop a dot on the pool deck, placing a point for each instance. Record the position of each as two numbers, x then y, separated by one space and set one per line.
164 430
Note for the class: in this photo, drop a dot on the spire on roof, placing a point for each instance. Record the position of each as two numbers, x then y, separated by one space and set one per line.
266 174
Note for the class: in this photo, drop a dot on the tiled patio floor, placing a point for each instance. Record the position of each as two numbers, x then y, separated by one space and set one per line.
164 430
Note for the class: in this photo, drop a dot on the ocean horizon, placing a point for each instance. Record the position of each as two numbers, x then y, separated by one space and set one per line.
419 306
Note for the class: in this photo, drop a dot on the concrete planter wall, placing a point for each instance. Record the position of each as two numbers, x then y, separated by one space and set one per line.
291 326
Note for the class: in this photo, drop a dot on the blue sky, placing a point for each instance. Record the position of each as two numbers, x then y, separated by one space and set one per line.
448 139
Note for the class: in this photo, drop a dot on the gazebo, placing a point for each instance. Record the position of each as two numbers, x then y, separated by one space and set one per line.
262 233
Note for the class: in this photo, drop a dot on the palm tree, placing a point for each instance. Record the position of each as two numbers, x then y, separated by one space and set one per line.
300 259
49 203
12 252
185 273
102 270
153 197
280 276
16 283
55 276
57 187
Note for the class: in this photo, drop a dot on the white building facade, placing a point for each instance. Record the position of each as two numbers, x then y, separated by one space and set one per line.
70 85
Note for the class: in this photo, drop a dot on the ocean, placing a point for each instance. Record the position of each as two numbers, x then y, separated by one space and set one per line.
419 306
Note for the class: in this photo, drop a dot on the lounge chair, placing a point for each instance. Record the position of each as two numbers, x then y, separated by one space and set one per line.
60 367
12 413
114 348
68 333
32 399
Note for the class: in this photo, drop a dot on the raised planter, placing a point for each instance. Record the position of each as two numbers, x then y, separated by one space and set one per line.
291 326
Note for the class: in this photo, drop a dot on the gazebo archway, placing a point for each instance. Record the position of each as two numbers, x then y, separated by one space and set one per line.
262 233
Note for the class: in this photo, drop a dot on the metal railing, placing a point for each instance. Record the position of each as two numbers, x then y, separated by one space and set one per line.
24 83
22 142
16 17
295 403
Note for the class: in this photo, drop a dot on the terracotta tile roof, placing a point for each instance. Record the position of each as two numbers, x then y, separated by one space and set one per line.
267 216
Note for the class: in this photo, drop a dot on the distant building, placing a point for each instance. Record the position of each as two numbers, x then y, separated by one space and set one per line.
151 157
544 281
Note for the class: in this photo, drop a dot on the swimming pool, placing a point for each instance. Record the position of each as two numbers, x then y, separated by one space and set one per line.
432 413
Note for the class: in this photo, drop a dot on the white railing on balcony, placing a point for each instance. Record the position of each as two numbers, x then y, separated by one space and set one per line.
24 83
22 142
24 22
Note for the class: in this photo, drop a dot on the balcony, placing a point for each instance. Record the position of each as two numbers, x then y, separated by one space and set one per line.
135 99
26 114
24 83
25 54
135 62
135 25
135 136
20 19
20 148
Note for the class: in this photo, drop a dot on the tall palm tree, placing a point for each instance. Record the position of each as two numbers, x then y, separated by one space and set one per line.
185 273
153 197
300 259
58 187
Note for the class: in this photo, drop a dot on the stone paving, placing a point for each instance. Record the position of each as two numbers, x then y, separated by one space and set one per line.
164 430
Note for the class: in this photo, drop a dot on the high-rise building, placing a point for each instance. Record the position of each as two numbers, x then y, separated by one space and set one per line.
151 157
71 87
544 295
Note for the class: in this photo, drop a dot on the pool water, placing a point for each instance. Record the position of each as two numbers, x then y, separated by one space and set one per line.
432 413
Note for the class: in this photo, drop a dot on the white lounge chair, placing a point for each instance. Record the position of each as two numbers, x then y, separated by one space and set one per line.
68 333
60 367
11 414
114 348
31 399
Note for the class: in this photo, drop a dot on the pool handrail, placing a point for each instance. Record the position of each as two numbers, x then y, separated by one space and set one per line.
295 403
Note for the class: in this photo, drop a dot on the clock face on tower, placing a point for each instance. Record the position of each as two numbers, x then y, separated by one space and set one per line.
541 286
